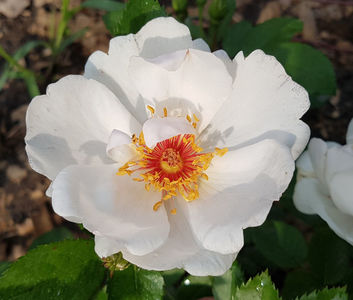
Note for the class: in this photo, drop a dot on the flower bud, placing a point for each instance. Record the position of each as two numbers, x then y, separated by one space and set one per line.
179 5
217 10
115 262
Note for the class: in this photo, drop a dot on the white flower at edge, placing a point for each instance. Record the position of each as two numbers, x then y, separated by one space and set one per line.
325 183
237 122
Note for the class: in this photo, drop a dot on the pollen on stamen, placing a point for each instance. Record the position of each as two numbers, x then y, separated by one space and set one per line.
174 166
157 205
165 112
173 211
151 109
195 118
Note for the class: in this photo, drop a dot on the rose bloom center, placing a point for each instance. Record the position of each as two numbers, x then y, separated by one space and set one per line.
171 161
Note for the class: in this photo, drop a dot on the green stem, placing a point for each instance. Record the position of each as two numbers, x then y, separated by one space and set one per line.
65 16
213 33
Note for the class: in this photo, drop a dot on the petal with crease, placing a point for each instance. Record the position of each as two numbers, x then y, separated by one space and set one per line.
156 130
182 251
308 198
162 36
119 147
72 123
239 192
192 88
341 190
265 103
113 206
112 70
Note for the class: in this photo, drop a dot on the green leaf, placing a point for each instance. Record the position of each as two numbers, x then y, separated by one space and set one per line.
307 66
26 48
63 270
327 294
70 39
224 286
130 19
258 288
243 36
171 277
4 265
195 287
297 283
107 5
134 284
235 36
55 235
270 33
280 243
102 295
31 84
21 52
194 29
329 256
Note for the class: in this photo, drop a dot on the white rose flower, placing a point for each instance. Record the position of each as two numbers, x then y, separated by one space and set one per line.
136 147
325 183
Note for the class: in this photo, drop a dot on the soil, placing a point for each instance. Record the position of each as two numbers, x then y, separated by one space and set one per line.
25 211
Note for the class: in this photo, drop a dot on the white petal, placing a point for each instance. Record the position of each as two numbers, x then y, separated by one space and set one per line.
156 130
162 35
200 85
72 124
119 147
339 158
182 251
113 206
349 136
306 192
308 198
230 65
265 103
341 190
239 193
170 61
304 165
317 149
105 247
200 44
112 70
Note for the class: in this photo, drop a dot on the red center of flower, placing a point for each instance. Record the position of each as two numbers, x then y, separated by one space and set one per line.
173 166
172 159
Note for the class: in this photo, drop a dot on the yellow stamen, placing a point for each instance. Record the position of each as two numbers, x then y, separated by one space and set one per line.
138 179
204 176
141 139
151 109
157 205
173 211
174 167
221 152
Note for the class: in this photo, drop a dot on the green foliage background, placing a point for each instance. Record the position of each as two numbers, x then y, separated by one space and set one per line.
304 266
